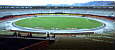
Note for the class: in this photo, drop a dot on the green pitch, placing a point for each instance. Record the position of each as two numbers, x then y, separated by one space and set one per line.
58 23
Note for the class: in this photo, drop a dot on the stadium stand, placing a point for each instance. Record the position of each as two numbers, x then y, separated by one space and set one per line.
23 15
15 44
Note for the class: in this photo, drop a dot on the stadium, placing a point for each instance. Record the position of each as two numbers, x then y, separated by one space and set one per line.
57 27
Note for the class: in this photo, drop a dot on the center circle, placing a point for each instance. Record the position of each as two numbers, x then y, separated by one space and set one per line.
58 23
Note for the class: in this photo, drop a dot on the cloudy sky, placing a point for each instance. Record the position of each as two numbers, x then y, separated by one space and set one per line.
43 2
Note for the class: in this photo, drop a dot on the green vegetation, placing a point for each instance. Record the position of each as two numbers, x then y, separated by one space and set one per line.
58 23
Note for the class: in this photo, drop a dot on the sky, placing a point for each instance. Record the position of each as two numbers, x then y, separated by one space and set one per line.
43 2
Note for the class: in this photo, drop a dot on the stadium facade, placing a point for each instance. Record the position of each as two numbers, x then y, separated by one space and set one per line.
9 13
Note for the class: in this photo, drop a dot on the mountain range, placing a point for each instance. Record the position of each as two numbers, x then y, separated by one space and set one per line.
96 3
92 3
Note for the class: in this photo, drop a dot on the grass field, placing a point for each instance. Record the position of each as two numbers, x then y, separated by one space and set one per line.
58 23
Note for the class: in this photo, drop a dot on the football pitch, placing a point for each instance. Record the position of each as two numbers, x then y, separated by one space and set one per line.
58 23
